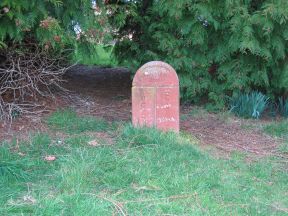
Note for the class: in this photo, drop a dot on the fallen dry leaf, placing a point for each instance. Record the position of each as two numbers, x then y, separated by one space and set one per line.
93 143
21 128
21 154
29 199
49 158
144 188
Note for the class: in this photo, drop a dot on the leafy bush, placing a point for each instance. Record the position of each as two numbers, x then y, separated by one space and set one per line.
249 105
218 48
54 24
36 40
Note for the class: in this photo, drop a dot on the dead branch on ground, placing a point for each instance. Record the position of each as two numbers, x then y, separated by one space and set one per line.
28 73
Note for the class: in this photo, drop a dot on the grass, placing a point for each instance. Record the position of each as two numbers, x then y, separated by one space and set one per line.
68 121
280 130
195 112
145 172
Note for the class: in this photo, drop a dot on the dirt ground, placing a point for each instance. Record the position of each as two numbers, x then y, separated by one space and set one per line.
106 93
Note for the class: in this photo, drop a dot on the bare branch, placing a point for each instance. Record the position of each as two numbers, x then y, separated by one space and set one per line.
28 74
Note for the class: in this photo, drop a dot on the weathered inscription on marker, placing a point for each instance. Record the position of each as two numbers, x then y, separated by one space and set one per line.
155 97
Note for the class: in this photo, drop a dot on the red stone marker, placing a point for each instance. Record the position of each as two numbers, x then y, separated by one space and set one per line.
155 97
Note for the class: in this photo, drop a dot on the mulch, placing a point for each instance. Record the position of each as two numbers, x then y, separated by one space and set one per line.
106 93
231 134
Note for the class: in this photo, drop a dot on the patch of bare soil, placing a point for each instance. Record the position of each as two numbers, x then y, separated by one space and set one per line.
106 93
102 92
231 134
21 127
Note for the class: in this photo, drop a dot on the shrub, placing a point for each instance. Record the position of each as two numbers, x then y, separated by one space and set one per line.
249 105
219 48
36 40
54 24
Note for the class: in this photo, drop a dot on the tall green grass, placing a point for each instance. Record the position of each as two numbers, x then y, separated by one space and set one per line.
11 168
145 172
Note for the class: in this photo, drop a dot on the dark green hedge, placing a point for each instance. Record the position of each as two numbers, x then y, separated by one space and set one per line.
219 48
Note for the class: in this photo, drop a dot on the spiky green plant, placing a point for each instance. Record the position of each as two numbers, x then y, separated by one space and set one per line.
283 107
249 105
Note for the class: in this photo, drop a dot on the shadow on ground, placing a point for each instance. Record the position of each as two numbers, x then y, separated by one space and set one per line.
102 92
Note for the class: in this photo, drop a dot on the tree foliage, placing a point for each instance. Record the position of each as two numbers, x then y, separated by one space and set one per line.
54 24
36 40
219 48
